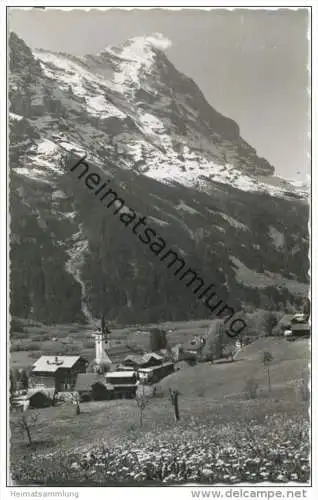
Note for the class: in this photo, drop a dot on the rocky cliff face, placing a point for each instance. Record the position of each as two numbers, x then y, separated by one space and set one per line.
173 158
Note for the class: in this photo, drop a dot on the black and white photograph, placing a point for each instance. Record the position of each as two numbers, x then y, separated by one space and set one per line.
159 248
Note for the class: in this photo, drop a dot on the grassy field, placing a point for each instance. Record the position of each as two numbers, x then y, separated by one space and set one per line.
221 437
226 442
226 380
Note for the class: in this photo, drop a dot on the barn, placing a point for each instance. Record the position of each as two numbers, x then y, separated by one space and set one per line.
41 398
57 372
123 383
91 386
152 359
152 374
133 361
136 361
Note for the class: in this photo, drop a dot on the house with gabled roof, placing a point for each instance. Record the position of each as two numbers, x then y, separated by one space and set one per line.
57 372
136 361
93 386
152 359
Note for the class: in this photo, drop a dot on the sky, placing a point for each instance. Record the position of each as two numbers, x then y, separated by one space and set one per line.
252 65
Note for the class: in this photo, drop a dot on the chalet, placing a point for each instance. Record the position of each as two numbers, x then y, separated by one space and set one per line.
152 359
57 372
152 374
177 352
298 330
298 327
167 354
123 383
195 345
137 361
91 386
133 361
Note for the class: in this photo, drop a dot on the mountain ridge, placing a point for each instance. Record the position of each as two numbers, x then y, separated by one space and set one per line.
175 158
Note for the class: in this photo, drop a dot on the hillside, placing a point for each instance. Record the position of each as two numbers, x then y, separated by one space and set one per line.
227 380
174 159
221 438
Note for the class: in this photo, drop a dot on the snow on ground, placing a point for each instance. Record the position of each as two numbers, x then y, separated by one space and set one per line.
136 56
158 221
77 253
235 223
150 123
185 208
47 147
58 195
82 82
14 116
33 173
132 60
98 106
277 237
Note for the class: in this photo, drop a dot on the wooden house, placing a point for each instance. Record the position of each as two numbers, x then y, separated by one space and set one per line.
57 372
91 386
123 383
136 361
152 359
133 361
152 374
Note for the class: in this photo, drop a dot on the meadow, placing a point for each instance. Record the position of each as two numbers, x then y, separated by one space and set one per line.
222 436
228 442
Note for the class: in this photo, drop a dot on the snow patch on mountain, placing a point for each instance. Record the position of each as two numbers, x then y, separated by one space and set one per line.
185 208
253 279
277 237
14 116
234 222
146 138
136 57
74 265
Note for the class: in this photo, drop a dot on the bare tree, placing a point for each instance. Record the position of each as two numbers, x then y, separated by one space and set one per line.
142 401
13 385
174 395
251 388
25 422
76 403
267 359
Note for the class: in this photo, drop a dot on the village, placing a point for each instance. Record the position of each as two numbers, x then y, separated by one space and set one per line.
163 388
58 378
61 378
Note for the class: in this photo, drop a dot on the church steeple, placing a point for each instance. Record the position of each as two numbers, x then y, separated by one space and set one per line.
102 344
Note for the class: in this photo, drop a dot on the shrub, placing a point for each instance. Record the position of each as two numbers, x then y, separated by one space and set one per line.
33 355
20 334
88 344
201 393
16 326
251 388
17 347
131 428
158 392
40 337
158 339
304 391
33 346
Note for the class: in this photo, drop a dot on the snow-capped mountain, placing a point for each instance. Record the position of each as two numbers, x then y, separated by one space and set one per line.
178 160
